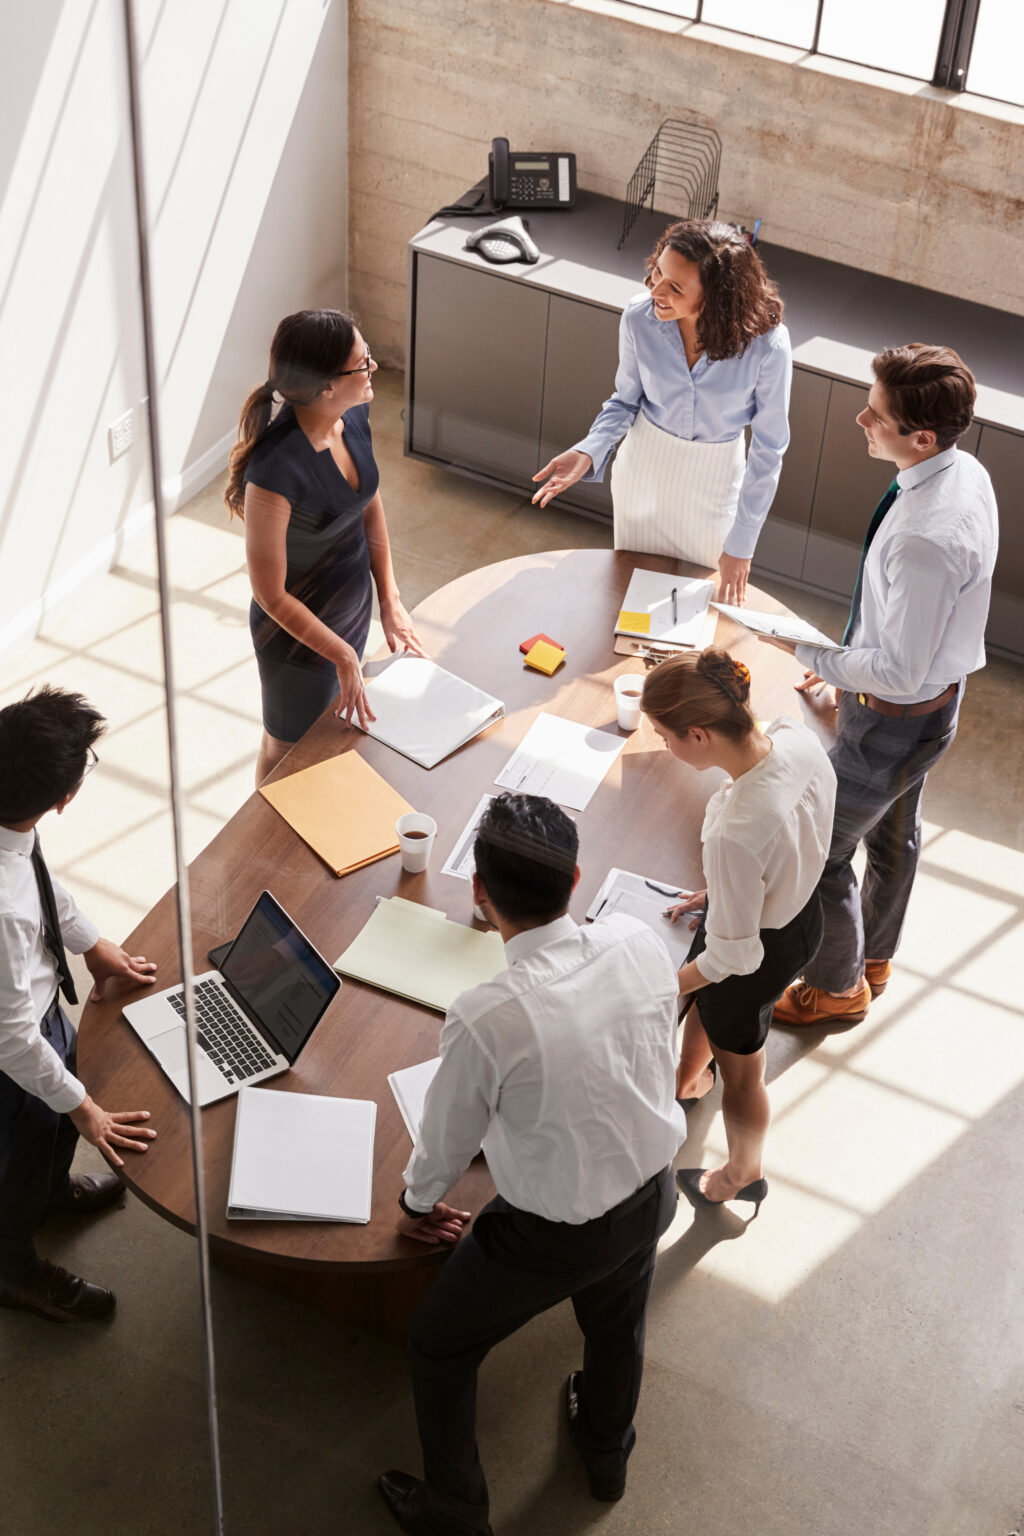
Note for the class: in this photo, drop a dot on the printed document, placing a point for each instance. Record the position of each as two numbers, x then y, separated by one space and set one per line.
648 900
562 760
460 861
649 610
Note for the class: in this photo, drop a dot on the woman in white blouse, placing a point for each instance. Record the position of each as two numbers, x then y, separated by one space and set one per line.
766 835
702 356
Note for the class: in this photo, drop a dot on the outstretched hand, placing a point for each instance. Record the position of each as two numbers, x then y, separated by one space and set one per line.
560 473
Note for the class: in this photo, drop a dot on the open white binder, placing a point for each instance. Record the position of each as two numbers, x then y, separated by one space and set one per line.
425 712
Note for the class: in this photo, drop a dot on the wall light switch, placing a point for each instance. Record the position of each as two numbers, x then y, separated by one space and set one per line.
121 435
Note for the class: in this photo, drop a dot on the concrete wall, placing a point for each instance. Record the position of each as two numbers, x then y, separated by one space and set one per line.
841 162
244 107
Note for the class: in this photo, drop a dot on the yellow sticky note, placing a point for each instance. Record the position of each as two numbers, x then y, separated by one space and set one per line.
546 658
638 623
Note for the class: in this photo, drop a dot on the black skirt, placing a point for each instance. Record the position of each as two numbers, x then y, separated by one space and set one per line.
737 1013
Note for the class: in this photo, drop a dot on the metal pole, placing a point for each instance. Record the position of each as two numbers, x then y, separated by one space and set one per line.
177 818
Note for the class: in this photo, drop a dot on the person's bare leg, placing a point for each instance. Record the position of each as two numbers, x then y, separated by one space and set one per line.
693 1075
747 1113
270 754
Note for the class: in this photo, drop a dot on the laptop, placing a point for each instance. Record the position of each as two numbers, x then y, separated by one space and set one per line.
254 1014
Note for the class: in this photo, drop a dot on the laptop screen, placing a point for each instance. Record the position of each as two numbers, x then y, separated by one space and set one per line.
284 984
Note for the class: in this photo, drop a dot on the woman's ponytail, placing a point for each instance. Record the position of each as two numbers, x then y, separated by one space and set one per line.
253 422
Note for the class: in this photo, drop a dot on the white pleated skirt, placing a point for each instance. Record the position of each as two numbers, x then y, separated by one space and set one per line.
674 497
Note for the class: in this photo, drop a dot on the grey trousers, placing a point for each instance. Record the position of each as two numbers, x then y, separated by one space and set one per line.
881 764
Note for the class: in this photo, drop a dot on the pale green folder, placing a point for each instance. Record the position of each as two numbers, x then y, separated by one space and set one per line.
418 953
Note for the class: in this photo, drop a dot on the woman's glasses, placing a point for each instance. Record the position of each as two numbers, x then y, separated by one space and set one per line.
366 366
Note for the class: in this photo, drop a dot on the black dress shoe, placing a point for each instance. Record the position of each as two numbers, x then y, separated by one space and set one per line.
608 1489
85 1193
57 1294
405 1497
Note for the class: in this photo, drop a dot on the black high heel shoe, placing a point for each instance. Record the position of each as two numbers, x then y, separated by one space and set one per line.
690 1104
689 1179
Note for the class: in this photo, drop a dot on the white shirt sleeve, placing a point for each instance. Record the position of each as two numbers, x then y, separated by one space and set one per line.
26 1057
78 933
459 1106
924 584
619 411
736 893
769 439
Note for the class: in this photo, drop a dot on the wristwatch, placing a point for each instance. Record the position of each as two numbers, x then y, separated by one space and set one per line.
416 1215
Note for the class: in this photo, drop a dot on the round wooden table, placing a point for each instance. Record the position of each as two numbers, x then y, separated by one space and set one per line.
645 816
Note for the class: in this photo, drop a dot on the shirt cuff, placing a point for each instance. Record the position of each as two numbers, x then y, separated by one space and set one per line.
415 1203
80 936
730 957
67 1097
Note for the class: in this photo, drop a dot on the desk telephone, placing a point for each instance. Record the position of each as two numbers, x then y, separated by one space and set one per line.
529 178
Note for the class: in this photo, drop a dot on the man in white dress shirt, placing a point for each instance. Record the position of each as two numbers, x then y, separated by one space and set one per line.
563 1069
46 749
917 627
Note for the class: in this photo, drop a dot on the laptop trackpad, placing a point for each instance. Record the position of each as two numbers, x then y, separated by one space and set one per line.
170 1050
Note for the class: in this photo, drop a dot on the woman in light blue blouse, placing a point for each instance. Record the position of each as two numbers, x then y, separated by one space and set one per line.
703 355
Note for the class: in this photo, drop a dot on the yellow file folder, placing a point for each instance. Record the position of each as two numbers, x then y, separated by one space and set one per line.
343 809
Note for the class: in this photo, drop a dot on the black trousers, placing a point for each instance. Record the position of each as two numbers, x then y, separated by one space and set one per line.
37 1146
510 1267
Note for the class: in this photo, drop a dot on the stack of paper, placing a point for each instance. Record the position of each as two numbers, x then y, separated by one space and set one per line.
425 712
648 900
343 809
561 759
780 626
651 612
301 1157
409 1087
418 953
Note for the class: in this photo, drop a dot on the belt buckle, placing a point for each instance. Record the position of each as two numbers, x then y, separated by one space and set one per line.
862 698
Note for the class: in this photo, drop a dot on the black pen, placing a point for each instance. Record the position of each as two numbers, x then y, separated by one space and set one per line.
675 606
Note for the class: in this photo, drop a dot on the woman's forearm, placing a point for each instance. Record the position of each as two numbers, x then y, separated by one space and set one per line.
379 545
690 978
303 625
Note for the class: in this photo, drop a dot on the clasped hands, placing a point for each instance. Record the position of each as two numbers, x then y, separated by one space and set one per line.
443 1224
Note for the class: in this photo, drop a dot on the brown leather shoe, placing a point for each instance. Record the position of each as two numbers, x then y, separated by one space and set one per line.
803 1007
877 973
87 1192
55 1293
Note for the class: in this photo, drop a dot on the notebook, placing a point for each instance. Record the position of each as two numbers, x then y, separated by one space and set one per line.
343 809
418 953
301 1157
425 712
649 611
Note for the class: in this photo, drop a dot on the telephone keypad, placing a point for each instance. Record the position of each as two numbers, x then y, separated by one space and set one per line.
527 189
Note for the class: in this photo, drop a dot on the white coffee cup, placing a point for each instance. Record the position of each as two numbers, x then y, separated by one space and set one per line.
628 689
416 833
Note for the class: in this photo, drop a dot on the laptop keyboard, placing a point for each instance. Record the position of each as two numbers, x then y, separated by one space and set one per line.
227 1038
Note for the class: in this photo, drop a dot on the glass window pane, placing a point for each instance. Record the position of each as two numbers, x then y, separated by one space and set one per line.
995 67
903 38
783 21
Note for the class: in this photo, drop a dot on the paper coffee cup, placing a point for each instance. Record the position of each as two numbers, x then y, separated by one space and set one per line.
416 833
628 689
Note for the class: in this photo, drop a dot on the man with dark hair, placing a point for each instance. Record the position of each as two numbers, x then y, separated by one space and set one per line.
563 1069
46 749
916 628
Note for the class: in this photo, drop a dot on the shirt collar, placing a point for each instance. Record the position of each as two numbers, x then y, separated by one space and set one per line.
917 473
523 944
17 842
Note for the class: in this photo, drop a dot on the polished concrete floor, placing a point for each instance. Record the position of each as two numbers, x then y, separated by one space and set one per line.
852 1362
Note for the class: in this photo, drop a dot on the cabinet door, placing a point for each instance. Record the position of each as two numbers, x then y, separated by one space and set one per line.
582 356
1002 454
849 487
478 370
783 540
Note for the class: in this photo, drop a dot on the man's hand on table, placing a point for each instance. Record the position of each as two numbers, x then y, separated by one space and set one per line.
107 960
443 1224
110 1129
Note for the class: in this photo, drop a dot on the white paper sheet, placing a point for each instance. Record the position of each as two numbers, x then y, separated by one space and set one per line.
650 592
425 712
562 760
622 891
301 1156
460 861
409 1087
779 625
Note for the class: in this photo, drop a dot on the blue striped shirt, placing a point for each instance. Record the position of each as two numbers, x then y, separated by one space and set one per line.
710 404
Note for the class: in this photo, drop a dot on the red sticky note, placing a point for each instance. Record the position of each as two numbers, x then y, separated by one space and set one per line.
528 645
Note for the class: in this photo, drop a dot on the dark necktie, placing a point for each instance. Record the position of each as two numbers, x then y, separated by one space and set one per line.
873 527
51 923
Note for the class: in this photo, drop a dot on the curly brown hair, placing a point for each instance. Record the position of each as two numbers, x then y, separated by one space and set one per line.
740 300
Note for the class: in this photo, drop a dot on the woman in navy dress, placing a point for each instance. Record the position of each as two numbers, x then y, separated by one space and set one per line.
316 542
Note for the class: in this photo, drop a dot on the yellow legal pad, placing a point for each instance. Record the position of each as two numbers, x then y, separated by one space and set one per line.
546 658
343 809
636 623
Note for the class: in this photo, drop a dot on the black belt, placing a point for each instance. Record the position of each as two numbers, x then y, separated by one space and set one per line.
908 711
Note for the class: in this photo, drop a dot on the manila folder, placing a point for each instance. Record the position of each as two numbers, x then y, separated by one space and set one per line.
418 953
342 808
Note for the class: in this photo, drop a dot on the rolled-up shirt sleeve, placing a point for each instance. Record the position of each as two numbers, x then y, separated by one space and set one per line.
769 439
26 1057
458 1108
618 413
736 892
78 933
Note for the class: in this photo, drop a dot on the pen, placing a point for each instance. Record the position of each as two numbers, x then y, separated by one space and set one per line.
675 606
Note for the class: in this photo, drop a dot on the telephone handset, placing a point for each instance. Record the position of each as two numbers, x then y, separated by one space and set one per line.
530 178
